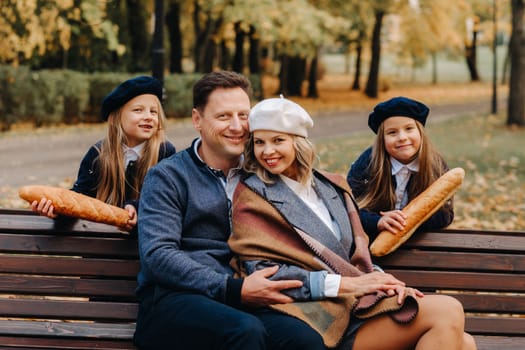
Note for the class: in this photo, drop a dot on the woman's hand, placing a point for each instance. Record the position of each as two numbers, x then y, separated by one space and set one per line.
44 208
371 282
374 281
393 221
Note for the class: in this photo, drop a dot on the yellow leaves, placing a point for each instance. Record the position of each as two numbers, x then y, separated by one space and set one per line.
39 26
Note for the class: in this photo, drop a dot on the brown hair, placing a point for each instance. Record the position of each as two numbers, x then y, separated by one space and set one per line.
215 80
380 193
304 154
112 182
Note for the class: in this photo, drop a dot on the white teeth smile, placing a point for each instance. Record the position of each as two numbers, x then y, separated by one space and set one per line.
271 162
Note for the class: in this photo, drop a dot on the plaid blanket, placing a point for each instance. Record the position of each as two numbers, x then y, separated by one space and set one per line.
260 232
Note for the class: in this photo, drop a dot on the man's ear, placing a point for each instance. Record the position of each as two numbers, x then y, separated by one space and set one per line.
196 119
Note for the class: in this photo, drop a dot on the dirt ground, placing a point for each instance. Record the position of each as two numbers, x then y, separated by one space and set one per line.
51 155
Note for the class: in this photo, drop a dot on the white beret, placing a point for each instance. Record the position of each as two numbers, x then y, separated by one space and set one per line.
280 114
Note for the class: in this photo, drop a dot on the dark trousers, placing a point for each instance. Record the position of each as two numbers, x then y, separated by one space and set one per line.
178 321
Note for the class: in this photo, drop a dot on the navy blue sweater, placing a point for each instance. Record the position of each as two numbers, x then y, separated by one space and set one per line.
183 229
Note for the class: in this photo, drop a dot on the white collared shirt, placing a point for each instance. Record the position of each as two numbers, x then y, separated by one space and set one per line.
132 153
402 173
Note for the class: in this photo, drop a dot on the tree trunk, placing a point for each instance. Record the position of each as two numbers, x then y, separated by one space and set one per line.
283 76
296 75
157 57
471 57
199 37
238 57
372 85
255 66
175 37
312 79
139 35
516 104
357 73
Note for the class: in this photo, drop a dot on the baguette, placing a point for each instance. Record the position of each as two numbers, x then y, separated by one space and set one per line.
419 210
70 203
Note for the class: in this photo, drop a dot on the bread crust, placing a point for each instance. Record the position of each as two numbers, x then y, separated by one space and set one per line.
70 203
419 210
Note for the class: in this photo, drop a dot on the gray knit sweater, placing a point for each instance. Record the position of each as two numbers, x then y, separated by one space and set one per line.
183 229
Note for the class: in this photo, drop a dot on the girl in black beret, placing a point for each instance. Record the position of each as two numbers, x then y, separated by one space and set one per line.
401 164
113 169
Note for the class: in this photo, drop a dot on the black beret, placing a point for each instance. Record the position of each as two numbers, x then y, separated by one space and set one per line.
397 107
127 90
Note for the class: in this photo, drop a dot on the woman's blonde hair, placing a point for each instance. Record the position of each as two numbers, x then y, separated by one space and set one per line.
112 183
304 160
380 192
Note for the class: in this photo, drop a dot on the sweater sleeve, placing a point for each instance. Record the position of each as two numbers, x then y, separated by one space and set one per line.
313 287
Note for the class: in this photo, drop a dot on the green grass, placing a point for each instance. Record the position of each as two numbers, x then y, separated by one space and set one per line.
493 193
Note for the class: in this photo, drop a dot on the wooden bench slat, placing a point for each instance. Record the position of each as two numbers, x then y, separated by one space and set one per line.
471 281
68 245
503 343
68 309
75 287
492 241
39 343
495 325
505 304
68 329
464 261
67 266
27 221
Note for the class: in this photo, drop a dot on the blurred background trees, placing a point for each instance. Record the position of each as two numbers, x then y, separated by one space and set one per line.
283 38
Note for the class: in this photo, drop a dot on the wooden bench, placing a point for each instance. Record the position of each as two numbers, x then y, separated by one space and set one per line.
65 284
70 284
484 270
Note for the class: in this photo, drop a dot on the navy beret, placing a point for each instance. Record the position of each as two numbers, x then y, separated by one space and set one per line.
397 107
127 90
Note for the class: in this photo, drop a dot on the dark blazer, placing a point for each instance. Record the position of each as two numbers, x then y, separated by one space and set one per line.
358 178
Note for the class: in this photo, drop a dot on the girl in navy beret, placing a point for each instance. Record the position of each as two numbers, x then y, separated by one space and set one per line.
113 169
400 164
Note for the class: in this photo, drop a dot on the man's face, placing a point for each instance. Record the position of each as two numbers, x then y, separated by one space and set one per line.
223 125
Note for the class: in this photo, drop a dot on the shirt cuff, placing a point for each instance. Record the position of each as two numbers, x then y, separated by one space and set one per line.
331 285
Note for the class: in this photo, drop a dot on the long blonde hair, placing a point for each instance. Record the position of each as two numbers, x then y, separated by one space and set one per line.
380 192
112 182
304 160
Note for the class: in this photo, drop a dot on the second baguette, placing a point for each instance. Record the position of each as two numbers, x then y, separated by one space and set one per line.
419 210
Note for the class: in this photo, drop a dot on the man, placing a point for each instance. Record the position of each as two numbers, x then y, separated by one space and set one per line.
189 298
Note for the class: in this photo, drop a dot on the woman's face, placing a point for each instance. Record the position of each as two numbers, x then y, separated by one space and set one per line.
402 138
140 119
275 152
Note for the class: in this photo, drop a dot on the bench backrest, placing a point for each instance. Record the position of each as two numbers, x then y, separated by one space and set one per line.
485 270
74 279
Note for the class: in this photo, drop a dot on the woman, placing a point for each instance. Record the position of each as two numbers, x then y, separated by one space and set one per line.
287 214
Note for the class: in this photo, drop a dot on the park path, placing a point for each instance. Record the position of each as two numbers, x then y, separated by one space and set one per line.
52 155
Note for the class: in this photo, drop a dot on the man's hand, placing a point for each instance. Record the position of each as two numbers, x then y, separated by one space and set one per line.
258 290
